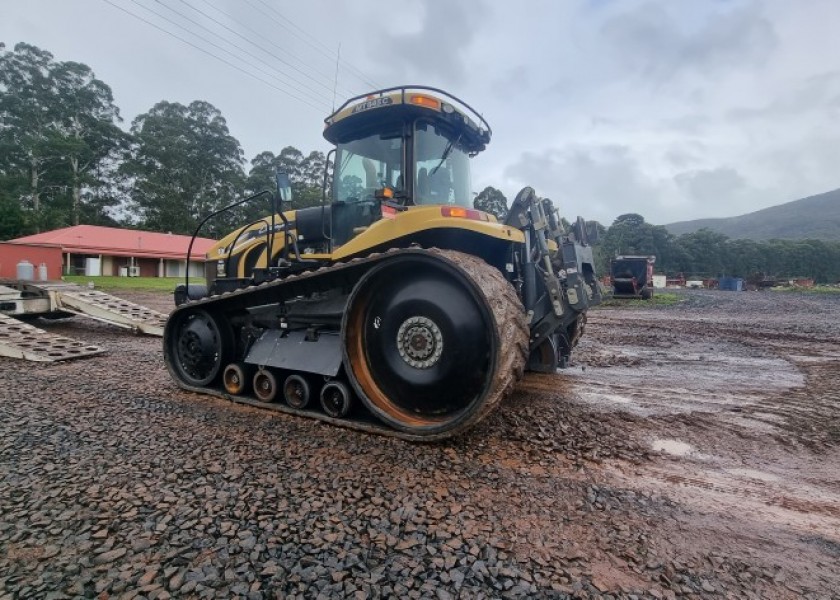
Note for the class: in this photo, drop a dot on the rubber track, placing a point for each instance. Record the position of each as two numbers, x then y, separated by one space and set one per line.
504 304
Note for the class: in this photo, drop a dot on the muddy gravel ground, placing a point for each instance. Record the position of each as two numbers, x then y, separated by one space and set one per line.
691 450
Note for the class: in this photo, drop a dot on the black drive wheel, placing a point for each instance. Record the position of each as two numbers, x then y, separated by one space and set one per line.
420 345
236 378
335 399
265 385
296 391
196 345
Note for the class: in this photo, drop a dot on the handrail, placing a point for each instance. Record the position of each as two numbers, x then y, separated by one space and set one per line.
405 88
210 216
324 197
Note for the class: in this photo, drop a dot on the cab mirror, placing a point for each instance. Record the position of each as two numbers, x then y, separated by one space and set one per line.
284 186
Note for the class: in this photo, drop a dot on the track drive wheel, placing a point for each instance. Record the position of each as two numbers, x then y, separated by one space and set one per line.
196 344
422 341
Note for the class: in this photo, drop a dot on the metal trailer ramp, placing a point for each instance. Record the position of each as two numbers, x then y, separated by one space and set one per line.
21 340
109 309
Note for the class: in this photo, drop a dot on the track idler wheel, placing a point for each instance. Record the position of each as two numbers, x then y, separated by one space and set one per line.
265 385
296 391
421 344
195 346
236 378
335 399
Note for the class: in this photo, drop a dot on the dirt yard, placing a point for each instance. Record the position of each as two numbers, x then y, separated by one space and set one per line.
690 451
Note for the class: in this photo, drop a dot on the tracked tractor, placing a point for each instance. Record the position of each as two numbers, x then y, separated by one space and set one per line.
394 306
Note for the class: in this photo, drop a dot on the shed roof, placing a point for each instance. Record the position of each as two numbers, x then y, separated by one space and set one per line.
113 241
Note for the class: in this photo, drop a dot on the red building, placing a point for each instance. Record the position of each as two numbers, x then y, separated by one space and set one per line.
94 250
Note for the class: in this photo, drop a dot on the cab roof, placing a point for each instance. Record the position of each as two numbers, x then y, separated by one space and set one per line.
389 108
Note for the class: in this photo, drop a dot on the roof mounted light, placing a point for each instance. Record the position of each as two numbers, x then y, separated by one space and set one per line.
425 101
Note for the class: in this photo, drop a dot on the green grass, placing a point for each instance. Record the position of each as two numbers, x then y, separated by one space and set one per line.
817 289
659 299
163 285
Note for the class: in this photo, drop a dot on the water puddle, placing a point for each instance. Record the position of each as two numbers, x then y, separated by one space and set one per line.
752 474
672 447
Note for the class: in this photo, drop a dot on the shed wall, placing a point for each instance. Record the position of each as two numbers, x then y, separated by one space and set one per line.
12 254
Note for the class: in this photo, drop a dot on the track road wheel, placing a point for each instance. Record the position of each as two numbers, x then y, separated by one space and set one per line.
335 399
296 391
236 378
196 344
423 341
265 385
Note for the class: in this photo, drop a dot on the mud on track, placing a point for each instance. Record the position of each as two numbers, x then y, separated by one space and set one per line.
690 451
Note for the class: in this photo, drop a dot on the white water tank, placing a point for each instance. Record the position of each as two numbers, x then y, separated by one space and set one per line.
25 270
92 267
42 272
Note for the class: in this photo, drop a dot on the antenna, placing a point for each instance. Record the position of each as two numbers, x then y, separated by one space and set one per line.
335 83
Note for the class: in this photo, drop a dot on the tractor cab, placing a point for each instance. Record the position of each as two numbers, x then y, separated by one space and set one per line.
395 149
400 147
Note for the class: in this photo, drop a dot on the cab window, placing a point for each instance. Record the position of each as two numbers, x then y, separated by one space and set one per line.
442 171
368 164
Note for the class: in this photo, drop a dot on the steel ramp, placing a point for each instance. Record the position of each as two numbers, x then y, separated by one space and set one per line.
21 340
109 309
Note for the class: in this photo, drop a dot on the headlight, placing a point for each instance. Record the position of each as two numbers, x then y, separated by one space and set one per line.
220 268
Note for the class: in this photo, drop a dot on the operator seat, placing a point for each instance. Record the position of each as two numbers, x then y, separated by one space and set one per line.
370 173
422 196
439 186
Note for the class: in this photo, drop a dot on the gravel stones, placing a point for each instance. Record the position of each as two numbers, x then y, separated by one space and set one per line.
114 483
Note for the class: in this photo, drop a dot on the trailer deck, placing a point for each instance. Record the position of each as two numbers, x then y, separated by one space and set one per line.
56 299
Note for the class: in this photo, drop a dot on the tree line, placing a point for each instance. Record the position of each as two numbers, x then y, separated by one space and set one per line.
708 254
703 254
65 160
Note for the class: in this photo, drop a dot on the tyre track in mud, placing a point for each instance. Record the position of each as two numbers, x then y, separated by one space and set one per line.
750 453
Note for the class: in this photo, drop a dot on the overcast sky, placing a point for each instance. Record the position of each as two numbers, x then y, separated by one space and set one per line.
672 109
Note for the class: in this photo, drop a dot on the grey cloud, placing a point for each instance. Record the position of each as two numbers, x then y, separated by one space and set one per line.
683 155
436 53
602 181
596 181
820 93
514 81
710 186
692 124
652 41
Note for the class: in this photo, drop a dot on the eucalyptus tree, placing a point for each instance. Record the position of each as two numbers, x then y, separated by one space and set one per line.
492 201
184 164
59 139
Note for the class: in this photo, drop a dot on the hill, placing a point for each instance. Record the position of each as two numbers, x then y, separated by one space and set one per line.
815 217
